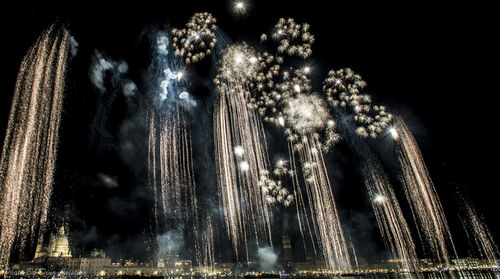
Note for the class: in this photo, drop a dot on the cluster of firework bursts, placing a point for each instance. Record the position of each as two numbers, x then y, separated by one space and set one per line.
343 88
294 38
197 39
272 184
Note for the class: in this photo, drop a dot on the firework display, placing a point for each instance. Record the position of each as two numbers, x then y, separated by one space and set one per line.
205 143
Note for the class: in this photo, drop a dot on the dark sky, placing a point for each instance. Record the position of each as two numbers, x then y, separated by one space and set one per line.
421 58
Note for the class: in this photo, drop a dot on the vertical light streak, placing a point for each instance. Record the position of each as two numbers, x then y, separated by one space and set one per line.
390 219
170 161
322 206
247 214
480 233
29 153
240 151
422 197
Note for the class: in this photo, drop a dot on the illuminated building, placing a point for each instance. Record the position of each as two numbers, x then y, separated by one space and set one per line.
58 246
287 248
91 265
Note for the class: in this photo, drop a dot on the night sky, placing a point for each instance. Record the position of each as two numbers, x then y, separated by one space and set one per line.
422 59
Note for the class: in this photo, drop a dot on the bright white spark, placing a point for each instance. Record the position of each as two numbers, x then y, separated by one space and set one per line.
379 199
239 151
296 87
244 166
281 121
240 6
394 133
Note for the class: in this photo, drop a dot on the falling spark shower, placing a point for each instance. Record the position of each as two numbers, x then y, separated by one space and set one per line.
30 147
421 195
305 115
477 230
390 219
240 151
322 206
343 89
170 162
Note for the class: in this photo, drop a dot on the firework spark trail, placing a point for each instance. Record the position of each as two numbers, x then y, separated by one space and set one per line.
390 219
242 199
304 116
170 162
301 209
421 195
241 154
30 146
329 233
343 88
480 233
207 241
271 184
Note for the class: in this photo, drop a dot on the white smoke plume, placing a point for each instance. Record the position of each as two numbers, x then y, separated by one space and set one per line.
109 181
170 243
187 101
98 68
267 258
103 66
74 46
129 88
